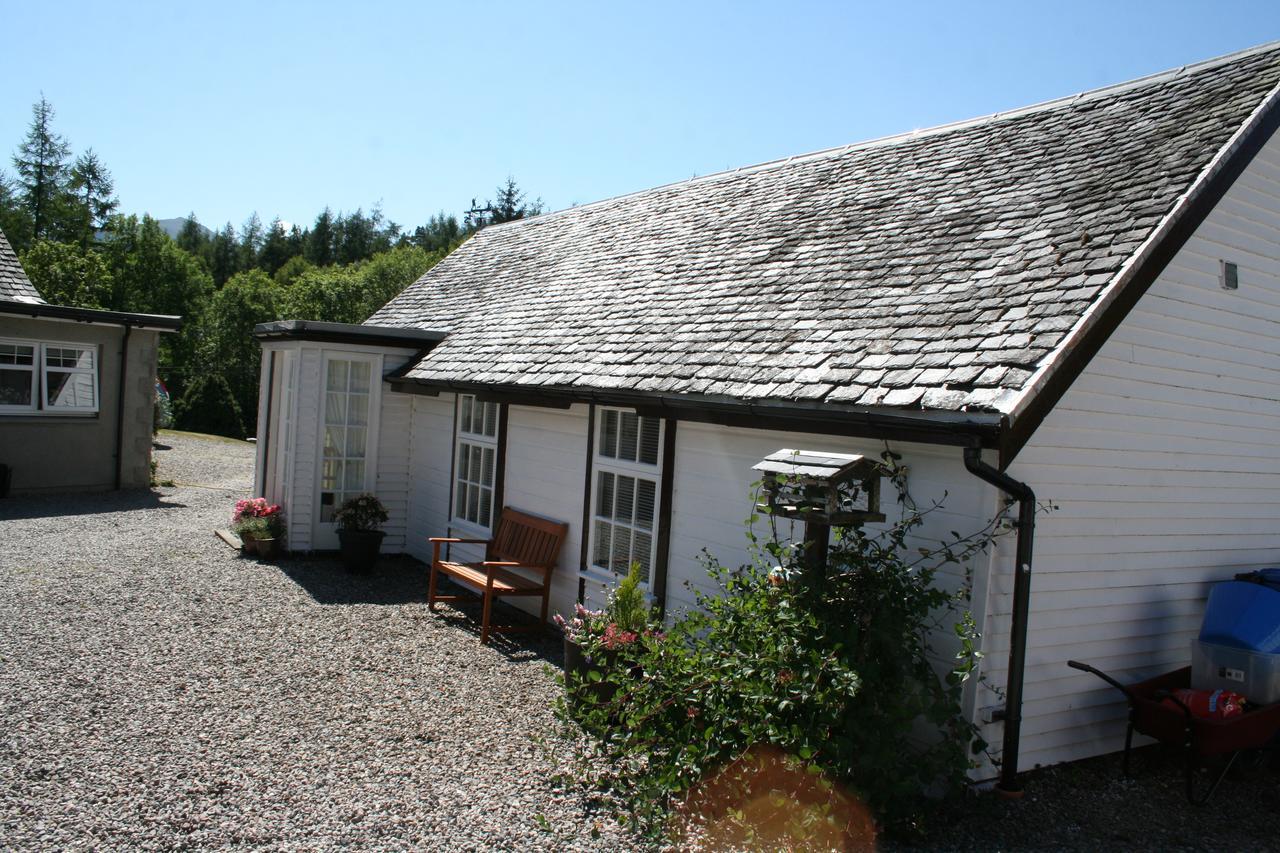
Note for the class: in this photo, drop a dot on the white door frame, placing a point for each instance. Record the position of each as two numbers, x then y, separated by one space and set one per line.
324 535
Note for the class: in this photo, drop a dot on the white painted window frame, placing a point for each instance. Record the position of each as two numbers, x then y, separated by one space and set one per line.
320 528
40 370
91 371
470 438
37 360
626 468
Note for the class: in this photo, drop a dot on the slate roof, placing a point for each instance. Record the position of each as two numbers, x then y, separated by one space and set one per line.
14 284
934 270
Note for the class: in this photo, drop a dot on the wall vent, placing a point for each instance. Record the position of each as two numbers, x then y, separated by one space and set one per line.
1230 278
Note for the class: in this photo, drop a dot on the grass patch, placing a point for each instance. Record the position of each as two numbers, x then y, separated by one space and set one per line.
203 435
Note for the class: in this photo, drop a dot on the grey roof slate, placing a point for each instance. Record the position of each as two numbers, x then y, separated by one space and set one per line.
933 270
14 284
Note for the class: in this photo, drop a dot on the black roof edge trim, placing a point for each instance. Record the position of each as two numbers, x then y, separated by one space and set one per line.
944 428
163 322
347 333
1205 197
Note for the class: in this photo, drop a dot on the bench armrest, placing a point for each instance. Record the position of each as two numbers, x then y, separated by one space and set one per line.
455 540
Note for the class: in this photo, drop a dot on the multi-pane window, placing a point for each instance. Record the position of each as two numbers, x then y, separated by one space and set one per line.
346 433
48 377
625 491
17 376
475 468
70 378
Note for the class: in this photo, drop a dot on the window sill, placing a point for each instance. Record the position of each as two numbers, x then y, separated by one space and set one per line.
610 580
49 417
470 529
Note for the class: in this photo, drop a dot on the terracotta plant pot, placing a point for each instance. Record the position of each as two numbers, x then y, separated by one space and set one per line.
268 549
360 548
248 545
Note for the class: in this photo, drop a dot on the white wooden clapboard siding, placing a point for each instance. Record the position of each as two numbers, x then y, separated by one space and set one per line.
431 445
394 448
302 509
1164 457
546 462
713 498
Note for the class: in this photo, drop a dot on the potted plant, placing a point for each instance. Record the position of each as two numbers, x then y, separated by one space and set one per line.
358 521
260 526
596 641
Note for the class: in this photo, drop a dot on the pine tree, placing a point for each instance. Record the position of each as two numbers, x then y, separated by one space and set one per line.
224 257
250 241
320 241
41 164
275 248
193 238
509 205
92 187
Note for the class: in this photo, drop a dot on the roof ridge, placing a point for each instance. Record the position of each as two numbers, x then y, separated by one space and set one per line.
918 133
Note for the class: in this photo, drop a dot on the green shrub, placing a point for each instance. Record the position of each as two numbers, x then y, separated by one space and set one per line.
209 406
835 672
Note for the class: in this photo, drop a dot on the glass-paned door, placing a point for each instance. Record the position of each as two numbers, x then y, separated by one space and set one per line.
345 463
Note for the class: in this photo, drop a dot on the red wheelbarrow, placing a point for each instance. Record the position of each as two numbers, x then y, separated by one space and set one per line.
1154 711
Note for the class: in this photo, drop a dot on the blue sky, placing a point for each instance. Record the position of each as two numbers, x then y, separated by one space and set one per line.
283 108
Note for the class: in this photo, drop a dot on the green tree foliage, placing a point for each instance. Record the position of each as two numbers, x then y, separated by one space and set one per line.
292 270
385 275
193 239
319 244
441 233
224 255
247 299
152 275
66 274
275 251
60 214
93 193
207 405
41 165
835 670
508 205
334 294
251 237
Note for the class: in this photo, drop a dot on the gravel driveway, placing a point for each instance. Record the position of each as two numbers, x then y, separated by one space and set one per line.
158 691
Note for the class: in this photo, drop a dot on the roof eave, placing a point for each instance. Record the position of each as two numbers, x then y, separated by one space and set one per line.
1061 369
952 428
94 316
347 333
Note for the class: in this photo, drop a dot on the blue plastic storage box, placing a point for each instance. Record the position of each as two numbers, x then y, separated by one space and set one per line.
1243 615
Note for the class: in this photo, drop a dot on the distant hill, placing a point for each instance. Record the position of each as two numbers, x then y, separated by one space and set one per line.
173 227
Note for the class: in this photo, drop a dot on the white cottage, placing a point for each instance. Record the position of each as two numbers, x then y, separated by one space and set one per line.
1078 301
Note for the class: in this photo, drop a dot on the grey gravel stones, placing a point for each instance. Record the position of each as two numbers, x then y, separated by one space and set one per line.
931 270
158 691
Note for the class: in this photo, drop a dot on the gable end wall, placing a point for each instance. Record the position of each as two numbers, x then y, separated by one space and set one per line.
1164 458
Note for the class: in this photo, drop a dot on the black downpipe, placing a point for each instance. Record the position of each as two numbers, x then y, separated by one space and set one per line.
124 365
1021 607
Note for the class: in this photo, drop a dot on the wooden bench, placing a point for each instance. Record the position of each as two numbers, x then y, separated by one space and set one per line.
518 560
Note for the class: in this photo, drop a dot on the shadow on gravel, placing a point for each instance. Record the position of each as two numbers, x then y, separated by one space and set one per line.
51 506
403 580
395 580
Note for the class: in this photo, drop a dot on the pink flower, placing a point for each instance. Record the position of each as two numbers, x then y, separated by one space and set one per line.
613 638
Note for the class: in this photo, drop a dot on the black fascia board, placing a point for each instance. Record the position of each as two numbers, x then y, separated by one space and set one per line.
956 429
347 333
38 310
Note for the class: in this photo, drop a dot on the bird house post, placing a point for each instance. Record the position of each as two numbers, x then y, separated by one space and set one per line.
820 489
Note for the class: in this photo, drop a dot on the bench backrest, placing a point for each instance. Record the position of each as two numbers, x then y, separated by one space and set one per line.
527 539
